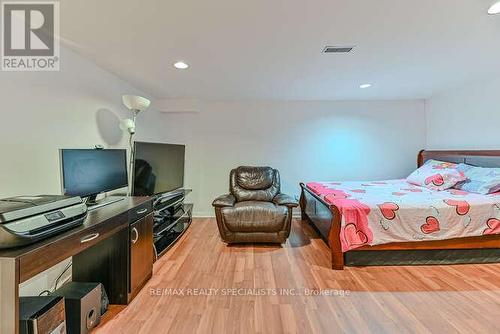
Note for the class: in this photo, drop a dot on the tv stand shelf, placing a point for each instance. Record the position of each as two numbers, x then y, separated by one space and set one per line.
172 217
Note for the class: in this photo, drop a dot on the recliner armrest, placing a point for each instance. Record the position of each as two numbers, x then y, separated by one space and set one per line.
282 199
226 200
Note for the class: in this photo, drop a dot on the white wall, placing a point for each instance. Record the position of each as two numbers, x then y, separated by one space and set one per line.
467 117
78 107
306 141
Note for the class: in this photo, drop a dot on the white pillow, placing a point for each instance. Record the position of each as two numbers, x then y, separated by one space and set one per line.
437 175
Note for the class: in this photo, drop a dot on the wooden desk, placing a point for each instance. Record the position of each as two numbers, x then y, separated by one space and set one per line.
101 253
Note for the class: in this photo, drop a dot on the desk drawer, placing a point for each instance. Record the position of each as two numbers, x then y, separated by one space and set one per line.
140 212
69 245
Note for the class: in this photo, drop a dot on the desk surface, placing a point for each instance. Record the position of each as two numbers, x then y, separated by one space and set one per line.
104 221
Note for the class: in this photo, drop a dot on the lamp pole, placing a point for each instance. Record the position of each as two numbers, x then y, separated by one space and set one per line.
135 104
132 153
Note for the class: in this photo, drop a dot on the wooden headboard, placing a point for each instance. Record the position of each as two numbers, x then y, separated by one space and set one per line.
476 158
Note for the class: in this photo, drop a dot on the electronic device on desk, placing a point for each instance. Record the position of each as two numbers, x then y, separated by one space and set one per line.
27 219
83 305
90 172
159 172
158 168
42 314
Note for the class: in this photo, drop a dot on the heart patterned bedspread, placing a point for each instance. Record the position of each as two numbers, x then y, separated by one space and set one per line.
380 212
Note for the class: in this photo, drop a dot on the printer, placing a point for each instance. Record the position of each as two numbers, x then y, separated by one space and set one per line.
27 219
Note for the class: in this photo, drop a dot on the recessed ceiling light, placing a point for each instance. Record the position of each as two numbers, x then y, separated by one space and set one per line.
363 86
494 9
181 65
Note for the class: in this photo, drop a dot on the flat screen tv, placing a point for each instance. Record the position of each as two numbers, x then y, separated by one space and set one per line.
89 172
158 168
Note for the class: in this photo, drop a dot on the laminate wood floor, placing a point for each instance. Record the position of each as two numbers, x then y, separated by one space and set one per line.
291 289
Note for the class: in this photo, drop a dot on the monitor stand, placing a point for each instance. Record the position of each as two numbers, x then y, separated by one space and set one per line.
93 204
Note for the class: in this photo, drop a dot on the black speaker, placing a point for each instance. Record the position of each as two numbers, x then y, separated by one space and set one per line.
83 305
41 315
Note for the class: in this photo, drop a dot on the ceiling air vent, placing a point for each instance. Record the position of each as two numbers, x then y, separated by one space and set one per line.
338 49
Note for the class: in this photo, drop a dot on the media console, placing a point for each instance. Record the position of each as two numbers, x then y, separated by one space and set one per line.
172 217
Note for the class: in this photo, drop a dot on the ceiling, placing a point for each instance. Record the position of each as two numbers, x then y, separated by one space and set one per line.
271 49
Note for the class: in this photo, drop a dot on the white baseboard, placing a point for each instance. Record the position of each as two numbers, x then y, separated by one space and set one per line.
203 215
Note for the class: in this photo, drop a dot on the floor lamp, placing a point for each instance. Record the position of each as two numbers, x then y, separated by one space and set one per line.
135 104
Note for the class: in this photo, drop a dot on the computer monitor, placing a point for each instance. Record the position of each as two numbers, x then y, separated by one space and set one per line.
89 172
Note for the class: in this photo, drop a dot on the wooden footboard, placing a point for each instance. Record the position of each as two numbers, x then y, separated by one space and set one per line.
326 220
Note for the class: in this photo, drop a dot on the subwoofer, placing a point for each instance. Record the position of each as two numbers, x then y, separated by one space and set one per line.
83 305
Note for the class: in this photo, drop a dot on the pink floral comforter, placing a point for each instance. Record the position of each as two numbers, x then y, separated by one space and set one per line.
381 212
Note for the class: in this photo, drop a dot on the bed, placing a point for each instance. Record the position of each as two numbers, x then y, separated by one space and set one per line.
395 217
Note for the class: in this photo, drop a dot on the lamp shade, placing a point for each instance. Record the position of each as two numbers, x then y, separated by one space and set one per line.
494 8
135 103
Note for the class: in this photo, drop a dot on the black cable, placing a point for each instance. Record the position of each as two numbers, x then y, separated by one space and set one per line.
45 291
48 292
60 276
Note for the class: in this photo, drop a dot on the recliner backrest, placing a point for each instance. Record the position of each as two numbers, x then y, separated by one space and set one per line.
254 183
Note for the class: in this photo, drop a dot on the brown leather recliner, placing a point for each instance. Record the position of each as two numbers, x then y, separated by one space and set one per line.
255 210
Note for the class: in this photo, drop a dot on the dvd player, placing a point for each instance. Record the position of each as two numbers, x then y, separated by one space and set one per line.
28 219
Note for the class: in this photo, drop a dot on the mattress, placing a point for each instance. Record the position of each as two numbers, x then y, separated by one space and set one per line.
380 212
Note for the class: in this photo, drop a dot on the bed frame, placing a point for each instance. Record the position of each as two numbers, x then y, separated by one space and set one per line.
326 218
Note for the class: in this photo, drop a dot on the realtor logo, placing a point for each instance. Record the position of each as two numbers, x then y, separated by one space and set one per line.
30 36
